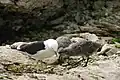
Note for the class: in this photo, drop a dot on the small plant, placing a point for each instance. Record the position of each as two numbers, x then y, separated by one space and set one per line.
116 40
117 45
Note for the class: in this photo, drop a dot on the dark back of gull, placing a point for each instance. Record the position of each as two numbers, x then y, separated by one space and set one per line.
33 47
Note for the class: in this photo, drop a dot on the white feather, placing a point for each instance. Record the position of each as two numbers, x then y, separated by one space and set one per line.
51 44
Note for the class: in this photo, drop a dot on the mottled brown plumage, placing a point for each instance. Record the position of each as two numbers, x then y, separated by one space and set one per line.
82 48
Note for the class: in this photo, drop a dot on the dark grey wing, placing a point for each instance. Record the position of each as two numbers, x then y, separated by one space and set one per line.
33 47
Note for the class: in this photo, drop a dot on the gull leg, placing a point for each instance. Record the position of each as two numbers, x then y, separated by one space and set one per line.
86 62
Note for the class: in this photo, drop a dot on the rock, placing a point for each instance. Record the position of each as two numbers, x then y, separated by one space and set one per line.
6 1
111 27
108 49
24 77
70 77
4 77
63 41
41 13
118 52
104 26
92 29
72 35
30 5
68 28
72 28
89 37
77 39
105 48
117 45
100 70
2 68
51 60
57 21
106 39
1 21
77 17
15 13
112 51
12 56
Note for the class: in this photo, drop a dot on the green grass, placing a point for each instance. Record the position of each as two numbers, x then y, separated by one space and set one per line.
116 40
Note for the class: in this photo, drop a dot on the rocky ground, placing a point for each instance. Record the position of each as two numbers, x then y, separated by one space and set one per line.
24 20
31 20
102 65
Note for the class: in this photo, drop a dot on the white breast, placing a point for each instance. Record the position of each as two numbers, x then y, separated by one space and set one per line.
51 44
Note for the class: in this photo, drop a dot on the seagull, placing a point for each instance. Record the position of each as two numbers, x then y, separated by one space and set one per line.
35 46
81 48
